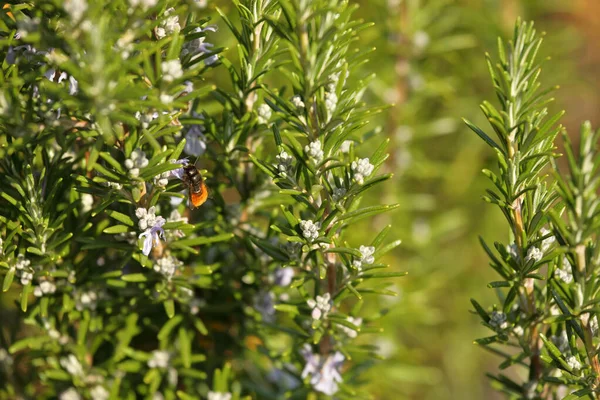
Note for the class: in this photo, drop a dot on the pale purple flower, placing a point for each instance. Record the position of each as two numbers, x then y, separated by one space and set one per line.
198 47
265 305
324 371
152 235
283 276
73 84
498 320
195 141
178 173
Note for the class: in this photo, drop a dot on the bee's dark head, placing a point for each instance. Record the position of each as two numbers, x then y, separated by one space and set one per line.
189 167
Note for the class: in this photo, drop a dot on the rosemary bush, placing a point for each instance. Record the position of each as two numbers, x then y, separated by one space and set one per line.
546 324
122 291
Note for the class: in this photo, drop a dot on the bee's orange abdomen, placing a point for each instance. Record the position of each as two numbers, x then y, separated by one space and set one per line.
198 198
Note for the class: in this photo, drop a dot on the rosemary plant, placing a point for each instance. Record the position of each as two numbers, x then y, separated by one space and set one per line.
122 289
524 148
549 286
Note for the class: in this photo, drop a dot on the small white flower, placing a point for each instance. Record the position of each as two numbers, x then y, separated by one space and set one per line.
54 334
169 25
420 40
26 278
218 395
21 262
86 300
172 376
284 163
310 230
72 365
136 160
75 8
162 180
361 168
366 257
297 102
330 102
498 320
573 363
566 272
518 330
171 70
69 394
351 333
113 185
321 306
534 254
159 359
45 287
166 98
264 113
546 243
87 201
345 147
167 266
99 392
1 246
125 43
283 276
144 4
146 118
147 217
594 325
314 151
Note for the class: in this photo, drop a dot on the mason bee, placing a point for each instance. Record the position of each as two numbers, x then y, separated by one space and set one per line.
198 192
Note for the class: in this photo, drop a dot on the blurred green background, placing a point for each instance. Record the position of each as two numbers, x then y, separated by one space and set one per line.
429 59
